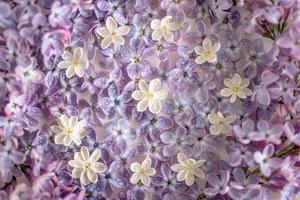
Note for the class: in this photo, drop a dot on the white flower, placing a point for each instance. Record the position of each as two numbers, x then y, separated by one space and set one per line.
142 172
75 62
163 28
68 130
86 167
236 87
220 124
208 51
112 33
149 96
187 169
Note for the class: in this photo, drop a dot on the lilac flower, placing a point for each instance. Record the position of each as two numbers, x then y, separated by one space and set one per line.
267 133
238 154
115 102
176 142
219 183
9 157
120 133
243 131
243 181
265 160
113 8
167 181
60 15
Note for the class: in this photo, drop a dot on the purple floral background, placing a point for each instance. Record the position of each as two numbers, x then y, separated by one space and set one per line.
149 99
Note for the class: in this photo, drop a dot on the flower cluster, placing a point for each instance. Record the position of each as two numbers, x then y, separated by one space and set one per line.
143 99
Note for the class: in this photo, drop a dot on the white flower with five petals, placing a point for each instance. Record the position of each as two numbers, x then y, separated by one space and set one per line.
163 28
112 34
75 62
142 172
86 167
69 130
207 52
150 96
188 169
237 87
220 124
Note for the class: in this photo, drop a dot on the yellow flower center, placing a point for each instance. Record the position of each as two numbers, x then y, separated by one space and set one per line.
87 165
150 95
141 170
136 59
221 122
114 33
164 28
236 89
75 63
189 167
208 54
68 131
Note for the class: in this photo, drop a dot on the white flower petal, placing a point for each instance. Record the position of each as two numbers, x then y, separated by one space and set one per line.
155 24
200 59
56 129
142 105
79 71
64 64
154 85
236 79
76 173
75 163
154 106
226 92
95 156
157 34
146 162
135 166
182 159
216 47
58 139
67 141
177 167
84 178
103 32
213 118
215 129
78 53
85 154
92 176
181 175
145 180
106 42
123 30
117 39
199 50
111 25
98 167
138 95
161 94
169 37
207 44
189 180
70 72
67 56
143 86
135 177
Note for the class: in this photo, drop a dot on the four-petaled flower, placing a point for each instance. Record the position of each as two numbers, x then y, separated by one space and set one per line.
220 124
75 62
236 87
207 52
187 169
112 33
150 96
142 172
163 28
69 130
86 167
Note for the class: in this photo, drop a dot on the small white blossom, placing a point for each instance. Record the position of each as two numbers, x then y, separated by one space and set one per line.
112 34
74 63
150 96
220 124
86 167
207 52
187 169
68 130
236 87
142 172
163 28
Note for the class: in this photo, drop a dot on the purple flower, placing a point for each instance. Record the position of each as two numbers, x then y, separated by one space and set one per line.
116 102
266 161
219 183
267 133
177 142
